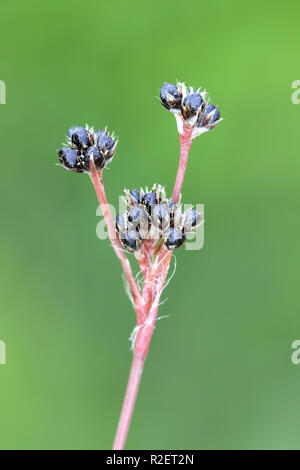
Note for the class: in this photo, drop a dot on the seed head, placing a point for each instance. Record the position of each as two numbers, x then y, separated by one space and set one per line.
190 108
83 144
151 216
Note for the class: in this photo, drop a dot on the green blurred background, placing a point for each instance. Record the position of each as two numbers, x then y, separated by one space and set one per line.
219 374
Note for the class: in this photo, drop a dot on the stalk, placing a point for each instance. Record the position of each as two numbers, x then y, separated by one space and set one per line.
141 349
146 303
185 145
150 310
115 242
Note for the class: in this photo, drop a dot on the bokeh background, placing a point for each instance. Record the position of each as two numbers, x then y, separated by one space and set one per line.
219 374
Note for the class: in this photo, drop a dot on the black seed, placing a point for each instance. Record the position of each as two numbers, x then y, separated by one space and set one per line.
131 240
175 239
173 208
192 219
215 116
120 224
170 96
62 153
191 104
136 195
69 158
105 143
79 137
136 214
97 156
74 129
150 199
161 216
138 218
160 211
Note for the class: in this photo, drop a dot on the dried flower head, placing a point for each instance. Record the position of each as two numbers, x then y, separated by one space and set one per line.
83 143
190 108
151 216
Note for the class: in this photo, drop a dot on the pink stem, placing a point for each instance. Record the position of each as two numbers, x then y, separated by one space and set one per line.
151 304
129 402
185 144
141 349
115 242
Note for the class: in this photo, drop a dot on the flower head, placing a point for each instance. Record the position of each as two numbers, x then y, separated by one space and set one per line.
151 216
190 108
84 144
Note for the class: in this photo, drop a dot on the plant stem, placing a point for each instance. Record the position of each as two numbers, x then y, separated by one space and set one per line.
129 402
146 303
185 144
141 349
116 244
154 280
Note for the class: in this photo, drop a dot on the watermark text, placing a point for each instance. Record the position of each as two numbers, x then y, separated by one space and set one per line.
2 352
2 92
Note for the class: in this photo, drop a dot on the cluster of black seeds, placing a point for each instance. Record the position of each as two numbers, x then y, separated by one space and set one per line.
190 104
150 216
83 144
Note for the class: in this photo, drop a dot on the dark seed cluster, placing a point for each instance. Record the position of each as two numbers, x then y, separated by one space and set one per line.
84 144
151 216
190 104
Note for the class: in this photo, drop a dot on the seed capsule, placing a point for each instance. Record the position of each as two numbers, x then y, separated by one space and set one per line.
150 199
175 214
79 137
69 158
170 96
96 155
139 220
120 223
106 144
211 115
175 239
131 240
160 216
192 219
135 196
191 104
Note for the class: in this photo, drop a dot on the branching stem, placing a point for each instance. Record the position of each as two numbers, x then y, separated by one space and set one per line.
146 303
185 144
115 242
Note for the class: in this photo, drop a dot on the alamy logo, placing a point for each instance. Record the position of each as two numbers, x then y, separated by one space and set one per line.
2 92
295 358
2 352
296 95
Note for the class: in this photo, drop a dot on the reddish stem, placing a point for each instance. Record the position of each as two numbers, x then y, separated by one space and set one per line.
142 344
115 242
185 144
147 303
129 402
154 280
